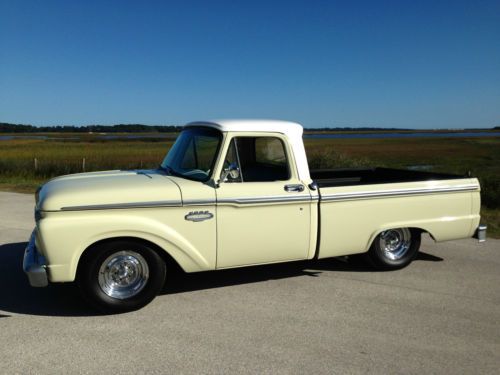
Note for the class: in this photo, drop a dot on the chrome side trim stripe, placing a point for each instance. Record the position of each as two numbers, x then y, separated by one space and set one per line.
280 199
396 193
198 202
270 199
123 205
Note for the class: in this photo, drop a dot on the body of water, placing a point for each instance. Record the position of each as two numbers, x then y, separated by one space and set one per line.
309 136
402 135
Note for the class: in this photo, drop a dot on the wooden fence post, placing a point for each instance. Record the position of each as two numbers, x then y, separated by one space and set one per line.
83 164
36 164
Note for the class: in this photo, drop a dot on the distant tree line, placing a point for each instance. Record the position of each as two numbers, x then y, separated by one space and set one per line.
140 128
120 128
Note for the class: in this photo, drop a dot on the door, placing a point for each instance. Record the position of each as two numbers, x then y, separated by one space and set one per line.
263 210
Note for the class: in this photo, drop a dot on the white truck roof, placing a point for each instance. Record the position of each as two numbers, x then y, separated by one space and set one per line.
249 125
292 130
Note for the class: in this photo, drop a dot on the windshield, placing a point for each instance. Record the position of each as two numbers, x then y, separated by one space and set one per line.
193 154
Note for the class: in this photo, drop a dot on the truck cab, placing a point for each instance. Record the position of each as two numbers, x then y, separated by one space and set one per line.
260 186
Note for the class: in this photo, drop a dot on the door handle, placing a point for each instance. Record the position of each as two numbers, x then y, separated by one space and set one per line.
294 187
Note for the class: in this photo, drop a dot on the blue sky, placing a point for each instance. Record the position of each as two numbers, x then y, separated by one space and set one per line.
412 64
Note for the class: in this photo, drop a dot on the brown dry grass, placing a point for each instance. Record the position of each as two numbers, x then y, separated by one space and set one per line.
479 155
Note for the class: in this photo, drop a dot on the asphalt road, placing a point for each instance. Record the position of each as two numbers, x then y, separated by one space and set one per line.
439 315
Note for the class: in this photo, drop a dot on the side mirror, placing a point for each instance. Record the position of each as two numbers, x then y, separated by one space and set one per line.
231 173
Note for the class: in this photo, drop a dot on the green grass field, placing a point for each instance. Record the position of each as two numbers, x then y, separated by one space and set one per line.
481 155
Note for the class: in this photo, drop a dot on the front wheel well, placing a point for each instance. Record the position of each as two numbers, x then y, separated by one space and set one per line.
167 258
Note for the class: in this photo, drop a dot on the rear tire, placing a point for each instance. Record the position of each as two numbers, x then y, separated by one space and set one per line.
121 276
394 248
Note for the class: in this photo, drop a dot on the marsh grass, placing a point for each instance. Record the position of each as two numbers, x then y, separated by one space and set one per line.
39 160
480 156
329 158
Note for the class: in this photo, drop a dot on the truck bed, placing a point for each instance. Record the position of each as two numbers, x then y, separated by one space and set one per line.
366 176
355 205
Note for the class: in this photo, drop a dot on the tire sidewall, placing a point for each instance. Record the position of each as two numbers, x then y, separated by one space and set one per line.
88 274
377 255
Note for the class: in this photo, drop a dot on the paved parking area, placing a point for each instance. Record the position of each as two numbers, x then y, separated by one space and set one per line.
439 315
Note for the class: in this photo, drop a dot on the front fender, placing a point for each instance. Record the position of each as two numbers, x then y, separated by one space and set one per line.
66 235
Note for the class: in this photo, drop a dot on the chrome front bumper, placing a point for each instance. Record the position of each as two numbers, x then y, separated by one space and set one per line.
480 233
34 265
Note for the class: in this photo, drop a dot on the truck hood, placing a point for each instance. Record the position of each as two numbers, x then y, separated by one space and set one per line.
109 189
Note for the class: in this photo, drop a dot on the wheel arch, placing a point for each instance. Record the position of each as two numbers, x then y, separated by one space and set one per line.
164 254
414 229
185 259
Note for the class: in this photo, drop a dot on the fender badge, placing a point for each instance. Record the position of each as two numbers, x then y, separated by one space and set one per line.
198 216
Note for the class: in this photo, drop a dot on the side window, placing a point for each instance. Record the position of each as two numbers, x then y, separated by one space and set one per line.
257 159
270 151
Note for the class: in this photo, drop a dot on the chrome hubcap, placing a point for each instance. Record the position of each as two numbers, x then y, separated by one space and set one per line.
123 274
395 243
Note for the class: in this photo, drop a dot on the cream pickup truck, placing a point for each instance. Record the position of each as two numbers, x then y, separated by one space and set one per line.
234 193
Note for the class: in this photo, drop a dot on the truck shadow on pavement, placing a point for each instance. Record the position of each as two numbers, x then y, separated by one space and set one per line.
179 282
17 296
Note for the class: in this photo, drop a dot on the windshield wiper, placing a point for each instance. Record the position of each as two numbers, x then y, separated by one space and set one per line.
169 171
164 169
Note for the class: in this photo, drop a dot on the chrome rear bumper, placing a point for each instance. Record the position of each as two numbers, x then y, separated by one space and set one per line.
480 233
34 265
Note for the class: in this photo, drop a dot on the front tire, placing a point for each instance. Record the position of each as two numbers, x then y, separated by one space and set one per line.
394 248
121 276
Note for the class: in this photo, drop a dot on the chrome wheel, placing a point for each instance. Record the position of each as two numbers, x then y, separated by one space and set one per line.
123 274
395 243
